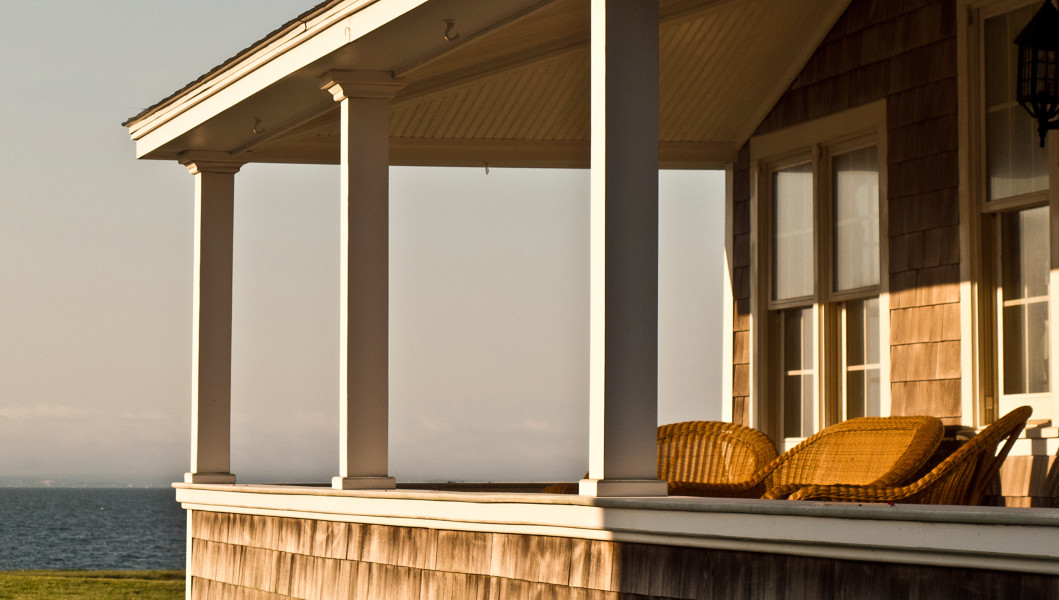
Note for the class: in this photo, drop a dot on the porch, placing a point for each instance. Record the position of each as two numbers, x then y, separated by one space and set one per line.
251 541
642 92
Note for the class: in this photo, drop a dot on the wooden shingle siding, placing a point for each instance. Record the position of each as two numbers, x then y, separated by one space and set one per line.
1030 481
936 323
939 396
741 288
516 567
904 52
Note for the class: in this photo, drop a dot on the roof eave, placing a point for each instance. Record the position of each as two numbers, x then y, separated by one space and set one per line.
301 41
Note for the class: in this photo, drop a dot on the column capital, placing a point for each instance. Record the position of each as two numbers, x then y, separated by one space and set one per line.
202 161
361 84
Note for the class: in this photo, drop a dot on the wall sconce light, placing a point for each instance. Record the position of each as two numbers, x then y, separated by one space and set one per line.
1037 86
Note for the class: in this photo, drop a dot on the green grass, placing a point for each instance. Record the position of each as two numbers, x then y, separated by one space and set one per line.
91 585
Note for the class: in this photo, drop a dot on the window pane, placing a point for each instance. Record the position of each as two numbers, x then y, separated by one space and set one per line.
798 376
1024 292
792 230
861 347
1025 253
1026 349
1015 162
856 210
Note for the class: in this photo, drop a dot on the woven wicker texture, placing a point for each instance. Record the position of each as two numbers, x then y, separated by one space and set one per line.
711 452
868 450
962 478
704 452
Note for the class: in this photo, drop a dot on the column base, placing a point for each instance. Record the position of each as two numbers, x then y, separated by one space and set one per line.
209 478
363 483
623 487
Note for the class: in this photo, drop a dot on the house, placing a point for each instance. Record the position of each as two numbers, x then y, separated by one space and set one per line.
888 247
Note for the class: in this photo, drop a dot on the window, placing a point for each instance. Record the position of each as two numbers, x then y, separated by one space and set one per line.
1011 196
818 201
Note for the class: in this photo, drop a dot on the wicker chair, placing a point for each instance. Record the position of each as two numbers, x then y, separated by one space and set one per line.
876 450
962 478
704 451
711 452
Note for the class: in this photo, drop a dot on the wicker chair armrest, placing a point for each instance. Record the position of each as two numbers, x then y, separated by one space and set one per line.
854 493
782 491
562 488
743 489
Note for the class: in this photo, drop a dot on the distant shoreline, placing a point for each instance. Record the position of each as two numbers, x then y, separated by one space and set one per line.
88 584
74 483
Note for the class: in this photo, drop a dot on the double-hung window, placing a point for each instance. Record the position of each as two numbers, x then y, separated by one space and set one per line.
1010 193
820 357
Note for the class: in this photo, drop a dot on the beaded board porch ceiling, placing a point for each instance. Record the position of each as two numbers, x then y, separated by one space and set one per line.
503 82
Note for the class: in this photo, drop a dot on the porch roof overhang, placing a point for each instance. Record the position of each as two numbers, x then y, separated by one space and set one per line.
511 90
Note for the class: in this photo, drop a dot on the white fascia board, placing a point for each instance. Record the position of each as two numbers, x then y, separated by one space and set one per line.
317 38
1022 540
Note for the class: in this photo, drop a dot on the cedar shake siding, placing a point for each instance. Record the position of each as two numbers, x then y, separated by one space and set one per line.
903 52
741 290
278 558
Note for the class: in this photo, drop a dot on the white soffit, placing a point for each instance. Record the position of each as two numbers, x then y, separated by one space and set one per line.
512 90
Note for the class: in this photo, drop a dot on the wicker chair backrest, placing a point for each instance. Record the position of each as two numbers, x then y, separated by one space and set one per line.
964 476
866 450
711 452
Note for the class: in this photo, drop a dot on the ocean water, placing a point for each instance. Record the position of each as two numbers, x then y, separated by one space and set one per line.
74 528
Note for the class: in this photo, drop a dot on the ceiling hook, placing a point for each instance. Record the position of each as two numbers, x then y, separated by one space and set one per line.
450 24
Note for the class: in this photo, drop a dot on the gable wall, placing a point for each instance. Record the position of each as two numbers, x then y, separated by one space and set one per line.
903 51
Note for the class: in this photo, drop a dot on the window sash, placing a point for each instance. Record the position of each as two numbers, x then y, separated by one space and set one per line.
855 219
1015 164
792 232
860 370
797 372
1022 305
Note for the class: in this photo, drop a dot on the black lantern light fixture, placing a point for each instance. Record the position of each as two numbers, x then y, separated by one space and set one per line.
1037 88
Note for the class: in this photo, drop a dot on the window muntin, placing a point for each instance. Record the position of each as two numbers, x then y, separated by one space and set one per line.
1023 302
855 184
1015 162
792 230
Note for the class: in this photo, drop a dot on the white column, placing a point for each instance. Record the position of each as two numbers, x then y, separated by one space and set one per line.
211 315
364 296
728 296
623 354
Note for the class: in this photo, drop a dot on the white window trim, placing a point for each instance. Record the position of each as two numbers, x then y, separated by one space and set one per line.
766 151
977 364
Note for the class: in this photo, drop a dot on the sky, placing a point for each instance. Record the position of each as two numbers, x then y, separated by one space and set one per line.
488 286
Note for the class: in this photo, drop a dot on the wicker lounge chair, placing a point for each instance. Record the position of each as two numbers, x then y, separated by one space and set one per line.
876 450
704 451
711 452
962 478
